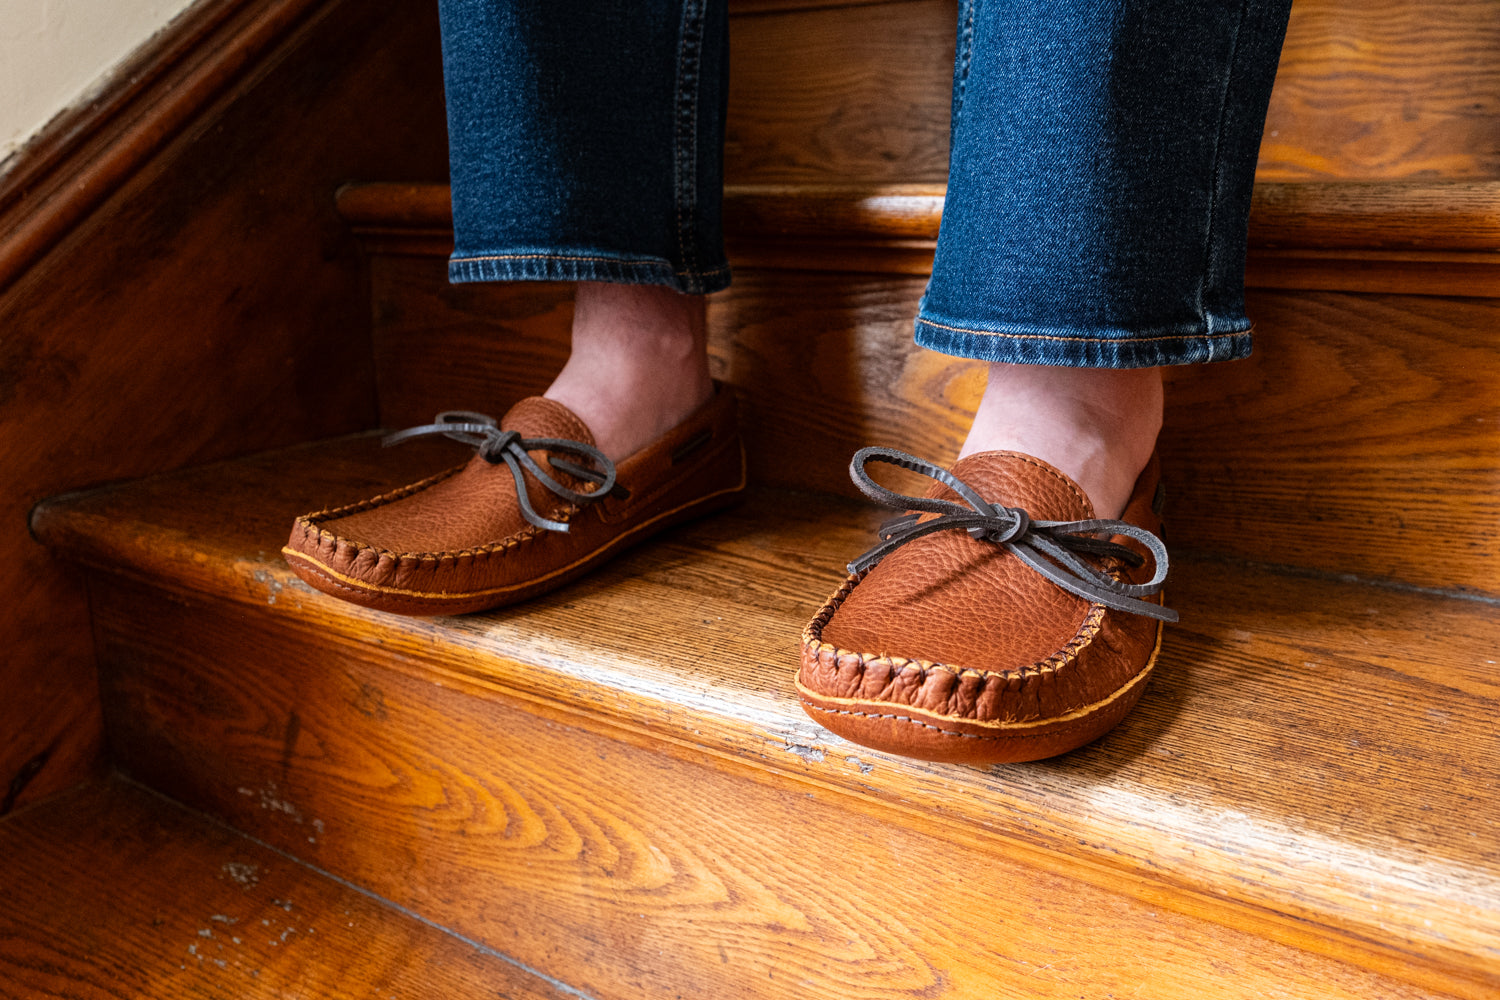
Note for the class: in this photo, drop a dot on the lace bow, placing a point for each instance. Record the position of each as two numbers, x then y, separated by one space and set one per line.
496 446
1051 548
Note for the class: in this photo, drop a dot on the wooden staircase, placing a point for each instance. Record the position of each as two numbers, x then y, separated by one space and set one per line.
611 791
113 891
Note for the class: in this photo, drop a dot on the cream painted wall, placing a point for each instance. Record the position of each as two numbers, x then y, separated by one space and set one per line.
54 53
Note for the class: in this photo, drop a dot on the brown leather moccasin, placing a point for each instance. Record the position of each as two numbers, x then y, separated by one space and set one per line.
998 621
536 507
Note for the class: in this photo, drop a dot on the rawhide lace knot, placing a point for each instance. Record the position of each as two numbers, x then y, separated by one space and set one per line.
495 446
1051 548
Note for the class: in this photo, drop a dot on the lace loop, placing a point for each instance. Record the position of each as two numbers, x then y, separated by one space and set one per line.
1051 548
495 446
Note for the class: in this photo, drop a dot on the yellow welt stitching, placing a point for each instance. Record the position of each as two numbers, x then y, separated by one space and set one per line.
808 694
291 553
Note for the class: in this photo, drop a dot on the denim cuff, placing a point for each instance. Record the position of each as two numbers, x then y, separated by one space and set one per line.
584 265
1215 339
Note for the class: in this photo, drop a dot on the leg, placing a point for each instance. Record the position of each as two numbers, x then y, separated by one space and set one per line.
586 147
639 363
1103 156
1098 425
1094 230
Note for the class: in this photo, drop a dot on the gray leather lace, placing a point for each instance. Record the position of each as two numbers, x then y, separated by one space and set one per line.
1051 548
496 446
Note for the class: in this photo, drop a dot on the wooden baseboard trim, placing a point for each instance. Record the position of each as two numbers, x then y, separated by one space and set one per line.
89 151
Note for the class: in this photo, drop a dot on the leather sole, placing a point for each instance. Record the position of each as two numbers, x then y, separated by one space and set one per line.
910 732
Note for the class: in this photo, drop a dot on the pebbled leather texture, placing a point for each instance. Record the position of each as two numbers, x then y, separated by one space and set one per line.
457 542
952 649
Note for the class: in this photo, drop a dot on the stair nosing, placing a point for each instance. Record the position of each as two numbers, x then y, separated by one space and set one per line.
1379 217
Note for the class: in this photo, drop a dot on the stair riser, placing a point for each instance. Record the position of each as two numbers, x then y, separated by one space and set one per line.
1370 89
627 863
1361 438
111 891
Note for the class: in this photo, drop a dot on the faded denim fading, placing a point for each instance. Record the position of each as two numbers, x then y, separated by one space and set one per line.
1099 181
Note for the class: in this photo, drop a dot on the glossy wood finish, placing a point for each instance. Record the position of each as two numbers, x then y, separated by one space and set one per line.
112 892
632 745
1363 437
842 93
205 301
1385 215
1379 89
1367 89
84 154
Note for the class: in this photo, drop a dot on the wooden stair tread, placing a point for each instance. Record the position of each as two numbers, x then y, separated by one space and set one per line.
1307 747
111 891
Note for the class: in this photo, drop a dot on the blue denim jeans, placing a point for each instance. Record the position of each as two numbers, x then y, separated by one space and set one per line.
1099 180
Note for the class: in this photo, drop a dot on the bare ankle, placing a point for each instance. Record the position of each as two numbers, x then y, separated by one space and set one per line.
639 363
1098 426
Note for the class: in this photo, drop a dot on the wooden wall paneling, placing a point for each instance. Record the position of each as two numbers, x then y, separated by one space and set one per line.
1362 437
634 867
211 304
80 157
1381 89
842 93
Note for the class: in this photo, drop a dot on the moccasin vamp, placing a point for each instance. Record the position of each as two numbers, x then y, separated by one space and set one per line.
458 542
953 649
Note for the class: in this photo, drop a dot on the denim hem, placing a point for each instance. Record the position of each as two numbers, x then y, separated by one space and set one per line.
584 266
1215 339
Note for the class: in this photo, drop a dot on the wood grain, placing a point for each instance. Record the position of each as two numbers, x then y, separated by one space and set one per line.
1409 237
633 872
1378 89
88 150
113 892
857 93
1363 437
209 304
1386 215
483 345
1367 89
1296 771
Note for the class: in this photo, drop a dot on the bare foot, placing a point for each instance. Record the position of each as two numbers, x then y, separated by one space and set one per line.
1098 425
639 363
